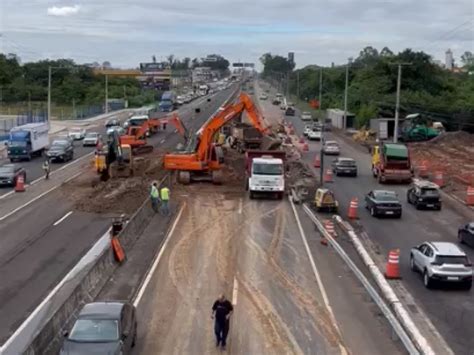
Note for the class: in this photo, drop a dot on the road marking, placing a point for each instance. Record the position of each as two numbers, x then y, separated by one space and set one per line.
7 194
28 203
72 177
235 292
162 141
62 218
157 260
240 205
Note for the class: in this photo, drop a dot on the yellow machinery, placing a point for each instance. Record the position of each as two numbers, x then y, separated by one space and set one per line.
324 200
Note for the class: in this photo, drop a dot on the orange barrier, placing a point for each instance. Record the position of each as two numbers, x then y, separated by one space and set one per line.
328 176
305 147
317 161
470 196
423 169
353 207
20 184
438 178
329 226
392 270
119 254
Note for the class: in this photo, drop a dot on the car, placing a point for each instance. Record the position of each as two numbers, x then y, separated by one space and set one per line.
102 328
91 139
290 111
307 129
276 101
315 134
344 166
77 133
383 203
263 97
113 122
60 150
331 148
306 116
65 137
466 234
441 261
180 100
424 194
9 174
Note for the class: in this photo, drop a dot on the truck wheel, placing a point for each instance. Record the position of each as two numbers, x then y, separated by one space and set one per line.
251 195
467 285
280 195
184 177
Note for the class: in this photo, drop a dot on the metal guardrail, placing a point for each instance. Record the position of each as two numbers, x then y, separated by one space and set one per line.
395 324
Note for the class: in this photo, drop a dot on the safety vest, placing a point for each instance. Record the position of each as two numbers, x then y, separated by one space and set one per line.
154 192
165 194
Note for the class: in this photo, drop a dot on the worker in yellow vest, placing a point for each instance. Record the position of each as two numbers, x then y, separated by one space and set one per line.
165 198
154 196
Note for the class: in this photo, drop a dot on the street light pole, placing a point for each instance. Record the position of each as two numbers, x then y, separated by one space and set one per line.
345 94
320 88
297 86
49 93
397 104
106 93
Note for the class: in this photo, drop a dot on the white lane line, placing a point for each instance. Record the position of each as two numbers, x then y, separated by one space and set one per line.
72 177
240 205
157 260
235 292
62 218
162 141
28 203
7 194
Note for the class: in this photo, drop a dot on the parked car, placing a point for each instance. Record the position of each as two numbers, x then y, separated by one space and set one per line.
466 234
91 139
60 150
9 174
102 328
383 203
306 116
77 133
344 166
315 134
424 194
113 122
441 261
331 148
263 97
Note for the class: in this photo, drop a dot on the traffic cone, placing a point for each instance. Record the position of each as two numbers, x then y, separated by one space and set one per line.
329 226
20 184
302 140
438 178
328 176
353 206
305 147
392 270
470 196
423 169
119 254
317 161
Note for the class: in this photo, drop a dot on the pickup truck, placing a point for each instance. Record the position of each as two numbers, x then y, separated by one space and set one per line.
391 163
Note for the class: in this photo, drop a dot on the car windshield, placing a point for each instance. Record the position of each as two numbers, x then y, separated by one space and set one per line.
95 330
306 113
59 144
449 259
6 169
332 144
347 162
267 169
386 196
91 135
430 192
19 144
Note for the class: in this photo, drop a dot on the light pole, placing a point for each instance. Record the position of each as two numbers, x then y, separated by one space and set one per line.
49 93
344 123
297 86
397 102
320 88
106 93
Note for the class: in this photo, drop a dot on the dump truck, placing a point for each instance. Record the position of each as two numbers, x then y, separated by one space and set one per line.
245 137
265 172
391 163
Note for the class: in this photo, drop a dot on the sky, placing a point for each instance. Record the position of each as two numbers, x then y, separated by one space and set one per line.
127 32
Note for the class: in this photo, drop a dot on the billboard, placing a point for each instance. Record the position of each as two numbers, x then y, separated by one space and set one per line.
152 67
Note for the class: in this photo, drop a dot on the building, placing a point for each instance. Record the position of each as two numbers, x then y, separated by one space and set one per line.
384 128
449 60
336 117
291 57
201 75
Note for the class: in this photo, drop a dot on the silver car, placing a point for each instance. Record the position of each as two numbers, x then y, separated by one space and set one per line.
441 261
331 148
91 139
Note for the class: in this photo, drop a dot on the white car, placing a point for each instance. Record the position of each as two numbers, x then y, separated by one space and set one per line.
77 133
263 97
91 139
331 148
180 100
306 116
314 135
306 130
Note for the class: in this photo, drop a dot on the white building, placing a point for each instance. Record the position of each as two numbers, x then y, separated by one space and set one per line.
449 59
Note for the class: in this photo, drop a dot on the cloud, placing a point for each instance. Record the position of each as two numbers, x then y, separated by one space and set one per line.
63 10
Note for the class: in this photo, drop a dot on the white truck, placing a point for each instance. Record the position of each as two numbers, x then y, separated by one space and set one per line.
203 90
265 172
27 141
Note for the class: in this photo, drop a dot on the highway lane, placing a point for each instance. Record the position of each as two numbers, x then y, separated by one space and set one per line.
450 309
35 254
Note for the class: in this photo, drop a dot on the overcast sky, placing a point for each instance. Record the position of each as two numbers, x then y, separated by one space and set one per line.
127 32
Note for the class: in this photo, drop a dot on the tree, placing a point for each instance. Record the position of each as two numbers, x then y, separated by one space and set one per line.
170 59
367 56
106 64
386 52
275 64
467 59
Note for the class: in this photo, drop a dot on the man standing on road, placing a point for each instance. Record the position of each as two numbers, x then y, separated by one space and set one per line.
154 195
165 198
221 312
46 169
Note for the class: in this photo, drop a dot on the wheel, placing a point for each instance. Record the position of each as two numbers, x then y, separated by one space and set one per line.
280 195
184 177
251 195
373 213
399 216
467 285
408 199
438 208
412 264
460 238
134 340
417 206
427 280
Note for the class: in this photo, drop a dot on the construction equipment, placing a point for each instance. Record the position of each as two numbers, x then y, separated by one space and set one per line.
324 200
180 127
391 162
417 128
202 158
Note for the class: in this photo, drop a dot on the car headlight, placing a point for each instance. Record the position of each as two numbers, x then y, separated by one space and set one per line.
420 199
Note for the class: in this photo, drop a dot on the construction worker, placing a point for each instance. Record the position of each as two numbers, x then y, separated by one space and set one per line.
165 198
46 169
154 196
221 311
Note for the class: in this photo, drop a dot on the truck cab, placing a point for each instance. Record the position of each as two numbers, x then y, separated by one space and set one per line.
266 176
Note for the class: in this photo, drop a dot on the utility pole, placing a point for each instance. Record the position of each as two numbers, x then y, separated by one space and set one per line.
1 97
320 88
106 93
287 84
297 86
49 93
397 102
344 123
29 103
74 109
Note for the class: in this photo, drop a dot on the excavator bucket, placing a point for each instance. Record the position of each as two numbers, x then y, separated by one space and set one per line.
270 143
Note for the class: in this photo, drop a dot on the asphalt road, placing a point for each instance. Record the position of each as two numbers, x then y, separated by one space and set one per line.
35 253
449 308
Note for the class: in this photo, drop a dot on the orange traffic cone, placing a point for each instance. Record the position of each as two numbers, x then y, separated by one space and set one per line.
392 270
328 176
317 161
20 184
423 169
305 147
353 206
329 226
438 178
119 254
470 196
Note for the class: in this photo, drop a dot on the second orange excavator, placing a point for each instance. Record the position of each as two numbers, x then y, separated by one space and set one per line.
202 158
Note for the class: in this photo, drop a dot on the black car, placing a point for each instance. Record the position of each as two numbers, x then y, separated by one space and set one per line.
383 203
424 194
344 166
290 111
60 150
113 122
102 328
276 101
9 173
466 234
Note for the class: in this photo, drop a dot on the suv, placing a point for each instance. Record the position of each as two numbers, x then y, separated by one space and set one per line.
424 194
60 150
9 173
441 261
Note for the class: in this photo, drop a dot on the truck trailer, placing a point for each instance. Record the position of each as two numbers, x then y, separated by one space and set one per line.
28 141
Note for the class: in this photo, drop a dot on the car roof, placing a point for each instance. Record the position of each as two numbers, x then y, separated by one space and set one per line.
425 184
384 192
447 248
331 142
101 310
306 112
345 159
7 165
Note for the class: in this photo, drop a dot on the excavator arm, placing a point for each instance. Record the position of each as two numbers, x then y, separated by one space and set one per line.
179 125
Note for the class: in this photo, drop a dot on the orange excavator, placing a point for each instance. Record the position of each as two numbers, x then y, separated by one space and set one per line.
202 158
